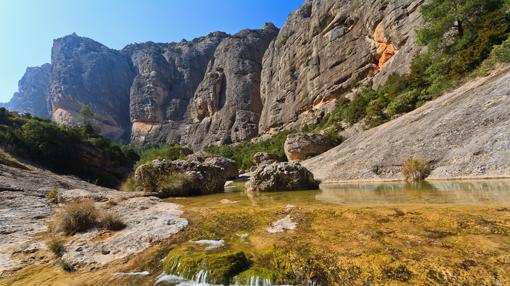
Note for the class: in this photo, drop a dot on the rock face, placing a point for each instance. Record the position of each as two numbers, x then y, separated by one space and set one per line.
300 146
326 47
263 158
465 133
85 72
167 77
222 89
229 166
25 210
226 106
32 95
282 176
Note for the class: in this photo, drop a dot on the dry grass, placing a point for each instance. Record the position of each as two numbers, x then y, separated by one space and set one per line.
57 247
415 170
111 222
79 217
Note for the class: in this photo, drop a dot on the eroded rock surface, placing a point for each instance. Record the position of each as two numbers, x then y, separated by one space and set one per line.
87 73
25 212
166 80
465 133
282 176
301 146
226 106
147 220
181 178
33 93
326 47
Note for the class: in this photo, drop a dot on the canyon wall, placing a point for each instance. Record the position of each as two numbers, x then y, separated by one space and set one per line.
220 88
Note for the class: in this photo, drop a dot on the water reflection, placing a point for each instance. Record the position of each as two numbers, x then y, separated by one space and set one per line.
440 192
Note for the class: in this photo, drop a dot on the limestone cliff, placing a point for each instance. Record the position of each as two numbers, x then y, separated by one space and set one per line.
465 133
32 95
167 77
328 46
85 72
226 106
221 89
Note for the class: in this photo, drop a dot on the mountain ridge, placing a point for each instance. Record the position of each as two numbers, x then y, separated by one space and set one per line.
220 88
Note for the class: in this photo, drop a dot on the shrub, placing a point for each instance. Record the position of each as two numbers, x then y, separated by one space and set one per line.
499 54
111 222
129 185
57 247
65 150
415 170
52 196
167 183
79 217
66 265
404 102
169 152
243 152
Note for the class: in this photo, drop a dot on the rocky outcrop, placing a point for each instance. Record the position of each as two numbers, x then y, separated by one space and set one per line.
32 96
222 89
301 146
282 176
229 166
166 80
226 105
465 133
26 210
328 46
180 178
87 73
263 158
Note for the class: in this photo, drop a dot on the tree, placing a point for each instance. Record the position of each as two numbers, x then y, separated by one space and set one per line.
86 121
449 21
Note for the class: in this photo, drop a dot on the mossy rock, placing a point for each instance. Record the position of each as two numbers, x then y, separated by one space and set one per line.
221 267
251 276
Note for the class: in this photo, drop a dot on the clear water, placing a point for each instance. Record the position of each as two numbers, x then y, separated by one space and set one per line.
466 192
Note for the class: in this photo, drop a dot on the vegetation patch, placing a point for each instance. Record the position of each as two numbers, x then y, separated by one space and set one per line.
243 153
415 170
221 267
461 37
111 222
57 247
83 215
77 150
79 217
169 152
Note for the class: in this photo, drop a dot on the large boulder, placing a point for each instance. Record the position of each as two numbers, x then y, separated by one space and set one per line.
229 166
283 176
301 146
180 178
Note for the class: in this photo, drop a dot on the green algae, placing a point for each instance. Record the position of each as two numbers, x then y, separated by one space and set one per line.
221 267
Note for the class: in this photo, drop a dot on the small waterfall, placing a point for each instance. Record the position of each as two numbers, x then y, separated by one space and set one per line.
201 277
255 281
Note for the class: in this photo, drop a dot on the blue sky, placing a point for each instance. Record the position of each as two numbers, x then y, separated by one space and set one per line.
28 27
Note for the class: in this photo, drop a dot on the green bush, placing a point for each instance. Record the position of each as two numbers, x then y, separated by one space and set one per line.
243 152
169 152
459 36
65 150
500 54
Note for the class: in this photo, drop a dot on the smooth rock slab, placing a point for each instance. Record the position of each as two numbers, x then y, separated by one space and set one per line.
148 220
